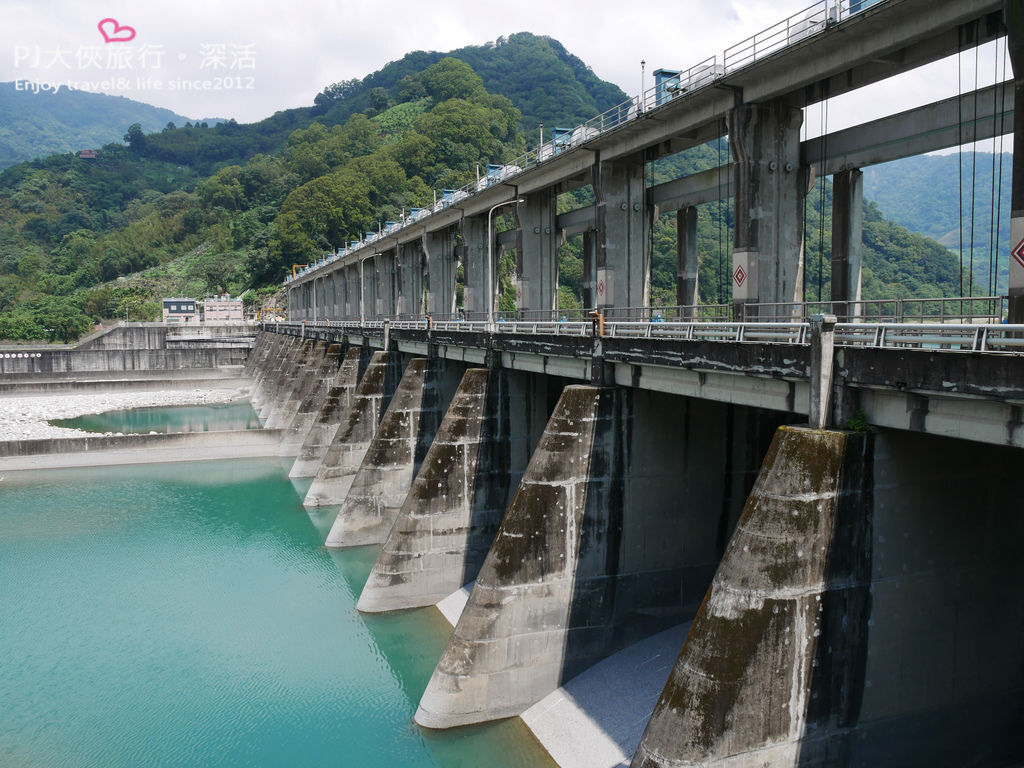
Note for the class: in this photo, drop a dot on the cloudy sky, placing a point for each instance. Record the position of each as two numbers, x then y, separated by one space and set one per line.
246 60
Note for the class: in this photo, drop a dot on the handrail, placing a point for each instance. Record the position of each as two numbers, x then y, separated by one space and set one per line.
998 338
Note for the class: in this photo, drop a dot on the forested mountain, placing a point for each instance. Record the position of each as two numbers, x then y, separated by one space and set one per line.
198 209
545 82
44 123
947 197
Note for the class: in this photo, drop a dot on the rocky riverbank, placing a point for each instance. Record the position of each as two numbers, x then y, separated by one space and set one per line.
25 417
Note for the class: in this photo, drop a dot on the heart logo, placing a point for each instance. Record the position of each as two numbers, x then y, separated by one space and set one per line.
115 33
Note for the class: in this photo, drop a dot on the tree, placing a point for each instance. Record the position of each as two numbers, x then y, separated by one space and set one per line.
336 92
135 138
451 79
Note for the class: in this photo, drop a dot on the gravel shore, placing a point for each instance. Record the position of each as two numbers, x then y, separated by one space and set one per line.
24 417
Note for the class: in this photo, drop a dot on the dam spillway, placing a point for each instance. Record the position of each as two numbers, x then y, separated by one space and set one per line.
588 518
849 595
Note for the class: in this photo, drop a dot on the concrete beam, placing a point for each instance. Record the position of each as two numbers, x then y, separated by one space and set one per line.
866 47
692 190
580 220
940 125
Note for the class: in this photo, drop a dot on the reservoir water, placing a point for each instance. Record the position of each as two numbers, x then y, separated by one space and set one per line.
187 615
192 418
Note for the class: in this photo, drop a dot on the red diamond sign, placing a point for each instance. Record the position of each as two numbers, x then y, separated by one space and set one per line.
600 287
1018 253
739 276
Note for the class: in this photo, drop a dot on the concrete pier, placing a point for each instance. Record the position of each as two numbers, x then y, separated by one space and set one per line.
773 664
279 364
267 364
345 454
452 512
394 455
310 400
329 416
576 570
294 384
865 613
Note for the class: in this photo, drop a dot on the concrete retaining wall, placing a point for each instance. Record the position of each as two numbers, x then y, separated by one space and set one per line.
136 449
74 362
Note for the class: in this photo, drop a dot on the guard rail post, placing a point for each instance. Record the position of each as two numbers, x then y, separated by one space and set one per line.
822 340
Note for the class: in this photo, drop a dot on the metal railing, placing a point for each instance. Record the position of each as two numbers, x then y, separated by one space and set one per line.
800 26
803 24
956 309
963 337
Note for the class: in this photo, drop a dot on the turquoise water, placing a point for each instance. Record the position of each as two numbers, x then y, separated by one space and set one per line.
187 615
189 418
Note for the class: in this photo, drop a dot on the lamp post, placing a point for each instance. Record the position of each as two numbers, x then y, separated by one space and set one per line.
490 272
643 67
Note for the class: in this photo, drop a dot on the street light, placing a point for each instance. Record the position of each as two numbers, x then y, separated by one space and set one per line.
490 273
643 67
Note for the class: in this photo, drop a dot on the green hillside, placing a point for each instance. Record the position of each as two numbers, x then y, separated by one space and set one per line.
40 124
947 198
199 209
546 83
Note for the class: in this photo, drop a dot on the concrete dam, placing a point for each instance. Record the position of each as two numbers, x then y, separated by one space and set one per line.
852 596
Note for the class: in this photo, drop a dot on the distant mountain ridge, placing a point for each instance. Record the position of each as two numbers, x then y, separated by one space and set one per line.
45 123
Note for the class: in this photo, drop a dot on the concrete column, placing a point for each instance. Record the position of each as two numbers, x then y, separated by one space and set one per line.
351 441
474 260
354 292
439 252
847 238
768 220
686 257
450 516
294 382
624 224
589 269
368 280
384 271
410 279
773 663
394 455
1013 17
538 247
337 295
329 416
309 401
